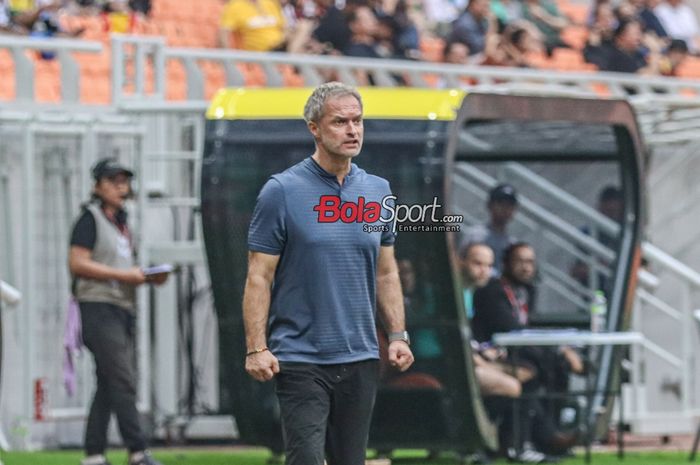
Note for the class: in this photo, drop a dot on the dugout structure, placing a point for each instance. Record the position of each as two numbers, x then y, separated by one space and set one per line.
428 144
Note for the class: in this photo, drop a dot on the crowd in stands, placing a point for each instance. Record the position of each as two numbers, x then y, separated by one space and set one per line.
651 37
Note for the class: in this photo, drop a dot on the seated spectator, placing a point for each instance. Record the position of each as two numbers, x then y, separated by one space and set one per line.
363 26
650 22
7 25
456 53
332 30
514 46
258 25
626 55
501 205
471 26
498 380
505 304
36 18
405 33
440 14
545 15
117 17
679 21
600 35
674 56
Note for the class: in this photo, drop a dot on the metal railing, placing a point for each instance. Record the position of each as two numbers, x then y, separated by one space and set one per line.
64 49
131 65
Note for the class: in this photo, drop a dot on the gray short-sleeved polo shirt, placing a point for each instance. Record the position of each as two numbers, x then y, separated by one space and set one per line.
323 296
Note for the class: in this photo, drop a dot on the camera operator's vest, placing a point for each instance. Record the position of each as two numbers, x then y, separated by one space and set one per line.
112 248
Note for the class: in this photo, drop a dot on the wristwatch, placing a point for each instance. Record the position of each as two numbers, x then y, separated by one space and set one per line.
400 336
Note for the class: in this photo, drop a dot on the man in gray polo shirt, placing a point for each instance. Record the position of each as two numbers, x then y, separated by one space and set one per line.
313 280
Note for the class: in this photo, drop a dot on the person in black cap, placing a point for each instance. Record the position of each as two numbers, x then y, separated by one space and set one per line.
105 277
501 205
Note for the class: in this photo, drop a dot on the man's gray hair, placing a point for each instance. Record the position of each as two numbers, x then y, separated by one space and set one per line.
313 110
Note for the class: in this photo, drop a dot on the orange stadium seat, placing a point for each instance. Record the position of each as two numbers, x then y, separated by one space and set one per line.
690 68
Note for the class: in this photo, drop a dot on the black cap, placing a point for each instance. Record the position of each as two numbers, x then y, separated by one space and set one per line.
108 167
503 193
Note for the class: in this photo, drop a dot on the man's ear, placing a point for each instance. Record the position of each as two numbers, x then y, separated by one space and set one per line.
313 128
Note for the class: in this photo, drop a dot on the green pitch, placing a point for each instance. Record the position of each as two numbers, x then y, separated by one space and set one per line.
261 457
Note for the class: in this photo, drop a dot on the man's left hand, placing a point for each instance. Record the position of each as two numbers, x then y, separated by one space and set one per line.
400 355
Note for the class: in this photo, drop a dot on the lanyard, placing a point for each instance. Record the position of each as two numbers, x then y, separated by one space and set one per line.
521 308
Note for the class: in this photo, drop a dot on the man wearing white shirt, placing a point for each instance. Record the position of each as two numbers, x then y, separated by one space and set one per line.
679 21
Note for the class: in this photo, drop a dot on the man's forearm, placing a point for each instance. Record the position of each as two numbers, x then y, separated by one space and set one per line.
390 302
91 269
256 308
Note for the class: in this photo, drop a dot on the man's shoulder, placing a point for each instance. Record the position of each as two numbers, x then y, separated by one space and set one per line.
294 174
491 289
372 179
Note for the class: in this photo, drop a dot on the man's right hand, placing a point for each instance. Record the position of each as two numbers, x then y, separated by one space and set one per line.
262 366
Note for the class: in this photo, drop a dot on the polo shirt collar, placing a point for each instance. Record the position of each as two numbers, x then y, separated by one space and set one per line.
316 168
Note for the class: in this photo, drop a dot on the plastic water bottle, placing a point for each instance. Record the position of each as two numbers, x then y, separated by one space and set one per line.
599 312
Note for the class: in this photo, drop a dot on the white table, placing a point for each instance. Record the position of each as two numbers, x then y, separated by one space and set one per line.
558 337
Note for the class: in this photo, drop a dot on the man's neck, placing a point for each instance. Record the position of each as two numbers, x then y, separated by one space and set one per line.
340 167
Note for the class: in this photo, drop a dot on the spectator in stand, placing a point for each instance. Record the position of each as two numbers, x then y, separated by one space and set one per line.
7 25
118 17
626 55
363 43
258 25
675 55
407 38
440 14
472 26
679 21
545 15
37 18
513 47
456 53
501 205
332 30
600 35
363 28
645 14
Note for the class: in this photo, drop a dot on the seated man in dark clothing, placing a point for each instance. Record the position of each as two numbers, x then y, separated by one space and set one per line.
625 53
505 304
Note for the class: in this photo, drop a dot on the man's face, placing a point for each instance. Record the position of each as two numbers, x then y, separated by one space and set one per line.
631 38
479 8
458 54
339 131
365 22
113 190
501 212
522 265
477 265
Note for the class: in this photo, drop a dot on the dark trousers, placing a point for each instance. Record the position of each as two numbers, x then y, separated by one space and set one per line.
108 331
326 409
